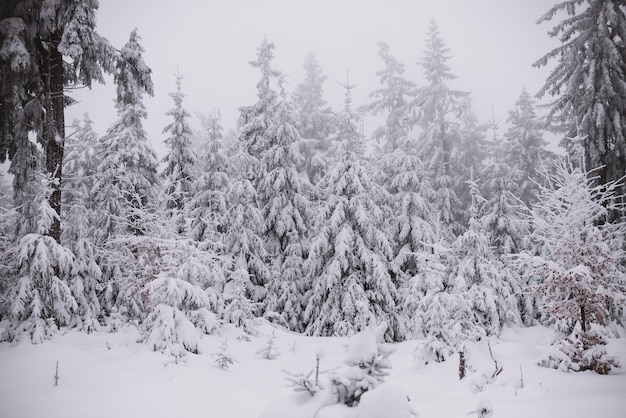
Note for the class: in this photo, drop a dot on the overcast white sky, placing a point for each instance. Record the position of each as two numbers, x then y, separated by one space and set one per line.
493 44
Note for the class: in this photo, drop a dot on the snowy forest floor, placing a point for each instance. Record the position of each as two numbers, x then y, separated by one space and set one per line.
111 375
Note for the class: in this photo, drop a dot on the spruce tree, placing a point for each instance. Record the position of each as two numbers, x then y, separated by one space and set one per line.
285 208
392 99
524 149
315 119
38 40
588 81
179 161
207 208
350 260
481 279
439 111
128 166
125 188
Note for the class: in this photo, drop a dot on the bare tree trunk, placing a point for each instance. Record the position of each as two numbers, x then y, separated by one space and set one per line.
461 364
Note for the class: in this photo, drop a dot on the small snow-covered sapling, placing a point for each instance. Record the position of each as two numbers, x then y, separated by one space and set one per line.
309 382
269 352
223 358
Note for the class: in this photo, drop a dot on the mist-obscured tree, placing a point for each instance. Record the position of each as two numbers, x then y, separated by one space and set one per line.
315 118
391 100
179 161
80 162
588 81
439 111
207 208
253 119
524 149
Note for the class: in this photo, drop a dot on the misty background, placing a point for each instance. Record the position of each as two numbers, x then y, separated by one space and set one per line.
492 43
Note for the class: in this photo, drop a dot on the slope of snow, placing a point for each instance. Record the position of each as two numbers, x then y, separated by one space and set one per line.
112 375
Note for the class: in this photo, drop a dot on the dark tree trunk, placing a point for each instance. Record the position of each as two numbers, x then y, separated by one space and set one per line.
54 127
461 364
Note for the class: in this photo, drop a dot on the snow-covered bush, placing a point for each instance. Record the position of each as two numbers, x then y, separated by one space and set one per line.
581 351
223 358
365 366
181 299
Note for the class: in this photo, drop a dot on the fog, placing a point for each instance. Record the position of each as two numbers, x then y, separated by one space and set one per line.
492 43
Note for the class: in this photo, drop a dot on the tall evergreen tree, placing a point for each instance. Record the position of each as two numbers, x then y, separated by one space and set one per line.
125 187
588 80
81 159
127 171
315 118
207 208
179 161
283 193
439 111
37 40
350 260
524 148
253 119
38 299
391 99
78 229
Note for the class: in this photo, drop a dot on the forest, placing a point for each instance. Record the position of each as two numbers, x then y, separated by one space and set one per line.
435 225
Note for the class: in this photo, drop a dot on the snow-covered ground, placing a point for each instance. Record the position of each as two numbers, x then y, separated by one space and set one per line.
110 375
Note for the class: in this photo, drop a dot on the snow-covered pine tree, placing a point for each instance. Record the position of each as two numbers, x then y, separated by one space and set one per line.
127 171
183 299
524 150
365 366
283 194
46 47
77 230
179 161
468 156
588 81
38 299
315 119
481 280
576 267
26 167
392 99
125 185
503 221
244 227
350 259
79 164
253 119
438 113
207 208
414 225
238 308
